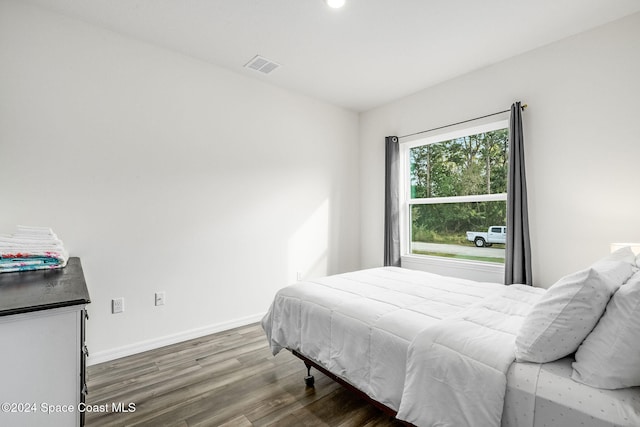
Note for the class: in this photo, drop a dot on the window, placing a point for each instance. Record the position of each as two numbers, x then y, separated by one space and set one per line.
454 194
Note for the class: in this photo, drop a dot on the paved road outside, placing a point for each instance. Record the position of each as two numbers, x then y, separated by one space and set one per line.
458 249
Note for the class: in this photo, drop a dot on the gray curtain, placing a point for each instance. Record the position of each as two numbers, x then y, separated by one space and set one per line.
518 248
391 203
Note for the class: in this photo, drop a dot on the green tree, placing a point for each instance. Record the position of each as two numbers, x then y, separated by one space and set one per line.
470 165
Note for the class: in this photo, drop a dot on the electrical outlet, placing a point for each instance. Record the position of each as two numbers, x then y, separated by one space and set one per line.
160 298
117 305
298 276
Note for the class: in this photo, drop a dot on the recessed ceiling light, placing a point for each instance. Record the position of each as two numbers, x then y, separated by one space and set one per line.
335 3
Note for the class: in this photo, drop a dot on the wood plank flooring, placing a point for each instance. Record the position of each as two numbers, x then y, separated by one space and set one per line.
224 379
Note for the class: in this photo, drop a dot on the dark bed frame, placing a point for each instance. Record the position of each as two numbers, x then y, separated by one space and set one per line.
310 380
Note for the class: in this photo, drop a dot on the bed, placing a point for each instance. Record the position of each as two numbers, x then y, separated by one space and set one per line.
436 350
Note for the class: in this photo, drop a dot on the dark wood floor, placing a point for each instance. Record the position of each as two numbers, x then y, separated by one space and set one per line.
225 379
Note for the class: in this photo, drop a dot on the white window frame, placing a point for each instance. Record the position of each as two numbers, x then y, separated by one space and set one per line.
468 269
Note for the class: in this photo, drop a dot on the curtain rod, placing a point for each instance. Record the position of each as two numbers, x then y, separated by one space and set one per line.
459 123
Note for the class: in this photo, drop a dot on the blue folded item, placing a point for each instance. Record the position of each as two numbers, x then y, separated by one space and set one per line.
8 265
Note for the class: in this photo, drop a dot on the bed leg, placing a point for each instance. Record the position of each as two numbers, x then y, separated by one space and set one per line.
309 380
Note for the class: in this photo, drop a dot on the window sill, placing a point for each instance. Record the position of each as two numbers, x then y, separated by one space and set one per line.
478 271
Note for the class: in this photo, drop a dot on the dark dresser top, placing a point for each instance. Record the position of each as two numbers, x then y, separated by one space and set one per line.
27 291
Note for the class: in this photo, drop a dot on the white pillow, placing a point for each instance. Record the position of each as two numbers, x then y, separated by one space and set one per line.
624 254
610 356
568 311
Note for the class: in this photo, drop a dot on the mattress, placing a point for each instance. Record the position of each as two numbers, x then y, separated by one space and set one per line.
545 395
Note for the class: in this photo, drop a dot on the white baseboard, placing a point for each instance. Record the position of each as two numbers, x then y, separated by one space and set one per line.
128 350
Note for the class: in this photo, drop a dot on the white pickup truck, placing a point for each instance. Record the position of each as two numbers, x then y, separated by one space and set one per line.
495 234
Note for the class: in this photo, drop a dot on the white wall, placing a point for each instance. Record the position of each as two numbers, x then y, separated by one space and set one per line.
582 136
164 173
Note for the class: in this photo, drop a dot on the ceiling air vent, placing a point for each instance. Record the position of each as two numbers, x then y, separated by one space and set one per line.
261 64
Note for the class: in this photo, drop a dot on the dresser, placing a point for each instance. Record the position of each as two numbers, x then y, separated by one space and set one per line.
43 352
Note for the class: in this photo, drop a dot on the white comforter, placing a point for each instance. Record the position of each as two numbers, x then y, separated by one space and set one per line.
456 371
411 340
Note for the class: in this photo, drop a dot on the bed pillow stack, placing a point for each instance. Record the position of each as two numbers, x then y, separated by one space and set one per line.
610 356
571 308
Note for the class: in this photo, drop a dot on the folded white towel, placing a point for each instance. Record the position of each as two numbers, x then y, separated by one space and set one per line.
27 243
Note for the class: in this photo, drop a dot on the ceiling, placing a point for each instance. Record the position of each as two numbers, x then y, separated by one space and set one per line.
359 57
